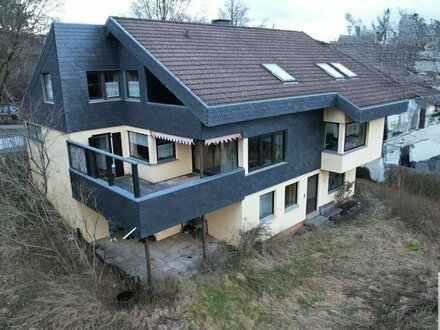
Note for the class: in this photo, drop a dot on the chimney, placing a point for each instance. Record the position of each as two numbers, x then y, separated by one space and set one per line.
221 21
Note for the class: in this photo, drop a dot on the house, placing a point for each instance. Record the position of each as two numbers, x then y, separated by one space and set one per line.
411 138
158 123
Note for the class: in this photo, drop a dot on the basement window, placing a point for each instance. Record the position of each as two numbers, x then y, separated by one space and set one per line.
335 181
165 149
266 206
279 73
103 85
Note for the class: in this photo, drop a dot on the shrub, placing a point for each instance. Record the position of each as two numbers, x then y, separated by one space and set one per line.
344 192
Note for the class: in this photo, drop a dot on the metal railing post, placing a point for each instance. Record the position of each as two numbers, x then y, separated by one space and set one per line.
109 163
135 175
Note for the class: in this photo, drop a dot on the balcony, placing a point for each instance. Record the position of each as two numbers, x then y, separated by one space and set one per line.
132 202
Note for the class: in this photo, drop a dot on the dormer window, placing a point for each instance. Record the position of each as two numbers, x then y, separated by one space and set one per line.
47 88
337 70
132 84
279 73
103 85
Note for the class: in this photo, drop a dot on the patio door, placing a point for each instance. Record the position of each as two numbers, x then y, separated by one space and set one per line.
111 143
312 193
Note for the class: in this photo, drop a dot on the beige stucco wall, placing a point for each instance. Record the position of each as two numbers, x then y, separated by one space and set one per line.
153 172
324 196
225 223
92 225
340 163
335 115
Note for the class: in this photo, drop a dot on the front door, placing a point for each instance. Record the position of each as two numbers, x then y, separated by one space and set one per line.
312 193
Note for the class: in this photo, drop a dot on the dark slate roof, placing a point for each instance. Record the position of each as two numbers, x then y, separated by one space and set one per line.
222 64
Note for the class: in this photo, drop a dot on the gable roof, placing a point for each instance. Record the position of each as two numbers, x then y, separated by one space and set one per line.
223 64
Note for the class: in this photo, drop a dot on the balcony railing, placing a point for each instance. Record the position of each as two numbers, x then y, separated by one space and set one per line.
98 163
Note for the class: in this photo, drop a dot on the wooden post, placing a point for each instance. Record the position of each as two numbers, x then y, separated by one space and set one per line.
148 262
202 218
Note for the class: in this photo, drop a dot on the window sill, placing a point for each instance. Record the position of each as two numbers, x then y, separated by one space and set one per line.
269 167
267 218
133 99
345 152
164 161
290 208
105 100
140 161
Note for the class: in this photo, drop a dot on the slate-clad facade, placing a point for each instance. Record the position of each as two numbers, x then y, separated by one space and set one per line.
225 95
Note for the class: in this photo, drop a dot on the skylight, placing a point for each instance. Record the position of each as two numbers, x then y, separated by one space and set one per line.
279 72
330 70
344 70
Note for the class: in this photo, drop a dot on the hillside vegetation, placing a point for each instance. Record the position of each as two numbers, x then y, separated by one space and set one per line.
373 269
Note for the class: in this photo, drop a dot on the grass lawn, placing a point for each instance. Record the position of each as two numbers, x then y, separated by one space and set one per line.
371 270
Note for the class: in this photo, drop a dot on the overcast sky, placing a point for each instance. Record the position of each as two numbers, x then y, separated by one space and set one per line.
322 19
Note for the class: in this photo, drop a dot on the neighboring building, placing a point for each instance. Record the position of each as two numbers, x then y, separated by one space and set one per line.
274 120
411 138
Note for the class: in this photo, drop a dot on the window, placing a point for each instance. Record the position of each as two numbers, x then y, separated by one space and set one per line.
217 158
47 88
331 136
354 135
347 72
337 70
138 146
132 84
103 85
279 73
158 92
265 150
291 195
165 149
34 132
266 205
335 180
330 70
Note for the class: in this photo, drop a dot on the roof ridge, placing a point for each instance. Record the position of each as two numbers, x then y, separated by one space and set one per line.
205 24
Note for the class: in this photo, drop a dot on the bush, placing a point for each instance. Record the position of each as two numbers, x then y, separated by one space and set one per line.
249 239
416 182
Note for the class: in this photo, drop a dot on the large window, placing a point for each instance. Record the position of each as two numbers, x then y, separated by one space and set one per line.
132 84
103 85
291 195
265 150
217 158
47 88
331 136
158 92
354 135
335 180
138 146
266 205
165 149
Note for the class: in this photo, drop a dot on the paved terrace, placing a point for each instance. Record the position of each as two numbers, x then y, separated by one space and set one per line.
126 183
179 254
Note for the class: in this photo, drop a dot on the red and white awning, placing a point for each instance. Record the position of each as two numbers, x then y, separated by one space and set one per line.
172 138
223 139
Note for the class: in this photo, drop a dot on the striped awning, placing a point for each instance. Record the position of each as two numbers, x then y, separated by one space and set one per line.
172 138
226 138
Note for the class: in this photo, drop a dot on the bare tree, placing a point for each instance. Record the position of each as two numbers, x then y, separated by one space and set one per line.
236 11
383 29
165 10
20 22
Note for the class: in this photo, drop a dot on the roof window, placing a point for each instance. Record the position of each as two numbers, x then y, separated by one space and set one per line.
279 73
337 70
